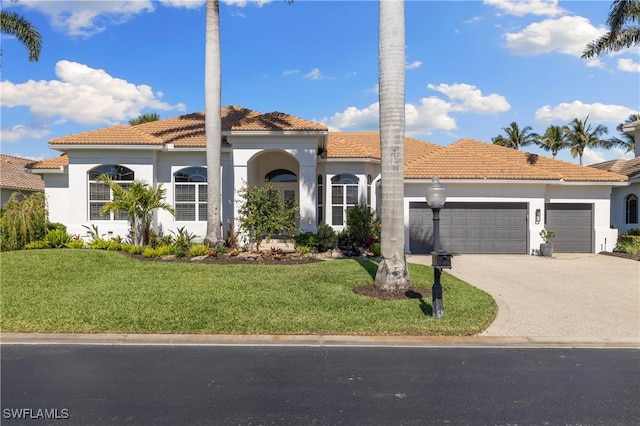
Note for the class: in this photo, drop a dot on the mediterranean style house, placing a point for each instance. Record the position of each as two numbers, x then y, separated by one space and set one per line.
624 200
498 199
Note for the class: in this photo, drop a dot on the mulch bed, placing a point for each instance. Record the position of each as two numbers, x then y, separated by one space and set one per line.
412 293
621 255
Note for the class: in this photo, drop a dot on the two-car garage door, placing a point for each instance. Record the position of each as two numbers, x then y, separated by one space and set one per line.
499 227
470 228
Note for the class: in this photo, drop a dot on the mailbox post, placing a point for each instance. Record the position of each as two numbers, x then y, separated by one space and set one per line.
436 197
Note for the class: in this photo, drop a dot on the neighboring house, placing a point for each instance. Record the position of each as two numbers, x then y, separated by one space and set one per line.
625 200
498 198
14 177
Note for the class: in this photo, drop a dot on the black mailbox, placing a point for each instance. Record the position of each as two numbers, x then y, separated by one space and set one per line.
441 259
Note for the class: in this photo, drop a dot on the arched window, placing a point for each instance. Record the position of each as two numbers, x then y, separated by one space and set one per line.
631 208
369 181
281 176
344 195
190 194
100 193
320 187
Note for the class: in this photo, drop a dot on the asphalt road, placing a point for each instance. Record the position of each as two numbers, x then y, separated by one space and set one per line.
201 385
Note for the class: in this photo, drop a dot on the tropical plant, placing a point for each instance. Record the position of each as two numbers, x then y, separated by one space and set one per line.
14 24
516 137
57 238
198 250
138 200
581 135
392 273
625 141
621 33
552 140
144 118
263 214
547 235
23 220
360 223
183 238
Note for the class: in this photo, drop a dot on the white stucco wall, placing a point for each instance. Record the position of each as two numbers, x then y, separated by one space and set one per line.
618 206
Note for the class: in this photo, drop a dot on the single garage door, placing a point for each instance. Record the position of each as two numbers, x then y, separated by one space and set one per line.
470 228
573 225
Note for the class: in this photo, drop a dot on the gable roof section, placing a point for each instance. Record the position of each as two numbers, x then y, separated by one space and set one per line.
14 176
51 163
189 130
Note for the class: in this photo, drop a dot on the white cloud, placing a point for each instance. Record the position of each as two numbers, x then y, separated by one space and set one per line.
85 95
243 3
597 112
428 115
314 74
568 35
21 131
526 7
290 72
413 65
86 18
628 65
470 98
187 4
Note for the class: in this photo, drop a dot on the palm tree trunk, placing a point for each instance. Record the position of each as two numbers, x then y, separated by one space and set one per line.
213 125
392 274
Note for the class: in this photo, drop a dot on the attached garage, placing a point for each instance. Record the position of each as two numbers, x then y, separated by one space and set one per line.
573 224
470 228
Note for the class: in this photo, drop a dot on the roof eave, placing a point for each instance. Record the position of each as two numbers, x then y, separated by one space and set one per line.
66 147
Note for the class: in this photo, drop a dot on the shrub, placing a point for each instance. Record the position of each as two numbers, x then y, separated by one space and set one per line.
262 213
306 239
165 240
149 252
231 239
23 220
35 245
627 246
57 238
114 245
183 238
327 238
198 250
303 249
635 231
375 249
99 244
165 250
76 243
132 248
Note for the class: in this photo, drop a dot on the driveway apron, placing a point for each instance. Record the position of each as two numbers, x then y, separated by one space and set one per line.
566 298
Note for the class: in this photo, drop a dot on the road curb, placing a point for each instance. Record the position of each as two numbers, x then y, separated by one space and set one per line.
114 339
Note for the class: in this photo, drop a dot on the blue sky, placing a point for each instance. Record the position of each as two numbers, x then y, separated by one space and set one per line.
472 66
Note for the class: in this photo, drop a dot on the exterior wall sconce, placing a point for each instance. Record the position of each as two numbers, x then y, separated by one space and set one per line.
537 216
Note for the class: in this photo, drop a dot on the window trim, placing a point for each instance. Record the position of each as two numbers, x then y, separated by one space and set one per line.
631 209
345 181
115 172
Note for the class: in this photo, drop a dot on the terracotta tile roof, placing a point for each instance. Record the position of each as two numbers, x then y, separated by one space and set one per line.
471 159
367 145
629 168
14 176
189 130
51 163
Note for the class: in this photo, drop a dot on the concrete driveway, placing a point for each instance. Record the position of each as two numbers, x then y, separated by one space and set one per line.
580 298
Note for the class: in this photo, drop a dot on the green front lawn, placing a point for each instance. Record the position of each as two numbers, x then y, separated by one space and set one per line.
94 291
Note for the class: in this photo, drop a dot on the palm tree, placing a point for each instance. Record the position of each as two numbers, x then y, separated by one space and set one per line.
625 141
213 121
516 137
144 118
581 135
553 140
138 200
18 26
392 274
619 36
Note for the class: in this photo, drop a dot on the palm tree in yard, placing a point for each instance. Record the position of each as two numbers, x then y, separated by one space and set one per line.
392 274
553 140
621 33
138 200
213 121
581 135
625 141
14 24
516 137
